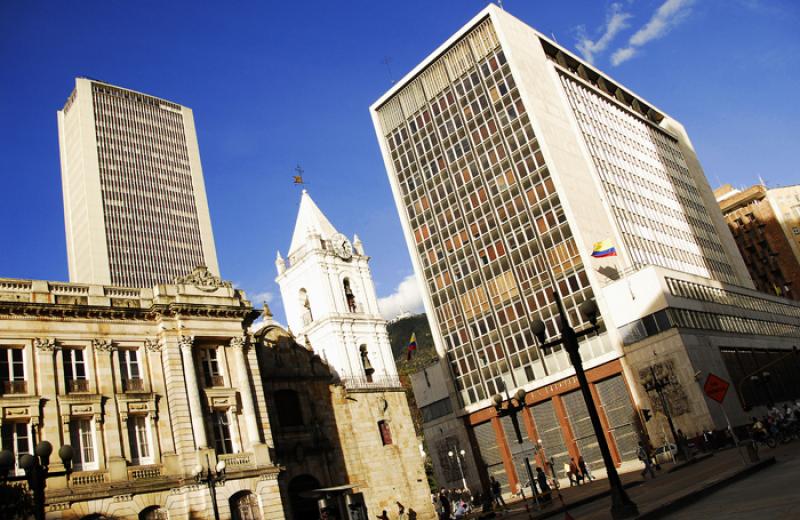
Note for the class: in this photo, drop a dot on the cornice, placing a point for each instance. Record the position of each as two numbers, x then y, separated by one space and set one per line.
62 312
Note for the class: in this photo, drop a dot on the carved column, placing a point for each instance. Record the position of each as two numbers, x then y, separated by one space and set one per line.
193 391
248 403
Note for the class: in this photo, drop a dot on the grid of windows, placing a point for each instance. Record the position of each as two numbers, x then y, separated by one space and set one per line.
650 190
151 221
696 291
487 222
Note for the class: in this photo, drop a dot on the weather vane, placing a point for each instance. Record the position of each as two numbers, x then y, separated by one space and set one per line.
298 179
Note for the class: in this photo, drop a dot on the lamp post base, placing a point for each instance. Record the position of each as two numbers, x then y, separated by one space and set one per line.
623 508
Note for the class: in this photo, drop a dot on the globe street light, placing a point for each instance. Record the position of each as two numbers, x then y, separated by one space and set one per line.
37 470
621 505
458 456
211 478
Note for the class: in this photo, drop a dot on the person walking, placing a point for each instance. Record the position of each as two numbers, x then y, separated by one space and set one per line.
584 468
544 487
383 516
497 492
574 472
644 456
444 506
401 511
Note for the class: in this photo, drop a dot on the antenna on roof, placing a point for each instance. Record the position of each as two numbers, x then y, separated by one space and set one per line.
500 4
386 61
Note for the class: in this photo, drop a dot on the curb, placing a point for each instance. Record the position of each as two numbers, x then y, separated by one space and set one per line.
583 501
690 462
683 501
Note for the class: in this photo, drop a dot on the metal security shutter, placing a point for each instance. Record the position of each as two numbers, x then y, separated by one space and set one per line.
621 416
519 451
582 429
490 453
544 415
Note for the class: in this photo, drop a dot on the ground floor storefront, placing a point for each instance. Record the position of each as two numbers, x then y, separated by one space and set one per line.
555 427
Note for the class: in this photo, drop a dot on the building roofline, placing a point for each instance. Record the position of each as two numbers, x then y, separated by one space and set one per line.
492 11
126 89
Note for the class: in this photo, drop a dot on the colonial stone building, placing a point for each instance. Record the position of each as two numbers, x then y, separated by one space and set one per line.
147 385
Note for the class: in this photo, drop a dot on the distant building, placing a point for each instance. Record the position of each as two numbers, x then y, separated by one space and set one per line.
517 168
135 204
765 223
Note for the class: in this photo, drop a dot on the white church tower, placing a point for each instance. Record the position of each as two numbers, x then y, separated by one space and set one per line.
330 300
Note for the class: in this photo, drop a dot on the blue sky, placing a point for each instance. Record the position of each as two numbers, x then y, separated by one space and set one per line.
277 83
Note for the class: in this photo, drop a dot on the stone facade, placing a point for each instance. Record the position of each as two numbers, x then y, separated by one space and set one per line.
145 384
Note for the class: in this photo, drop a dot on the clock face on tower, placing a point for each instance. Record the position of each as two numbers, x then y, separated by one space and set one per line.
342 246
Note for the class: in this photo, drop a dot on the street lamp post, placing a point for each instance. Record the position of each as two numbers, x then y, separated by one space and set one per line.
458 456
511 409
211 478
621 505
37 471
763 380
658 384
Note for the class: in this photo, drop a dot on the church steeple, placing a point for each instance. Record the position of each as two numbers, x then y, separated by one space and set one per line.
329 297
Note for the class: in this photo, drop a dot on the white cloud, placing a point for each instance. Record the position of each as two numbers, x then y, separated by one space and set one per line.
668 15
406 298
261 297
616 21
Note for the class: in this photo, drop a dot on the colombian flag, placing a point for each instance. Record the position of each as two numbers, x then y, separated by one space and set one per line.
603 249
412 345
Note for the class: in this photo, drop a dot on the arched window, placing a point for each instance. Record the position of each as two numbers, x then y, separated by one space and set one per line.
365 364
287 405
305 303
244 506
154 513
349 296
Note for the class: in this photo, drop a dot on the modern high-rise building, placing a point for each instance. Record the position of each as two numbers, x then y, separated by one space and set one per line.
766 226
511 162
135 204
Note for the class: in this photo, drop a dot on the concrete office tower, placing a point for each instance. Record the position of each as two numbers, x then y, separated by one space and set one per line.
509 158
134 200
766 226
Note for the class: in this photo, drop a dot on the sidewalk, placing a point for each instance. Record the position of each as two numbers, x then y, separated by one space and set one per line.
654 497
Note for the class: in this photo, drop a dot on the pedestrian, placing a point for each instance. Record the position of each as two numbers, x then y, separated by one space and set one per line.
383 516
574 473
461 510
444 507
497 492
401 511
644 456
584 468
541 478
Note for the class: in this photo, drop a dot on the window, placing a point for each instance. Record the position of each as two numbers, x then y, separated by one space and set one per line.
131 371
306 304
386 433
81 432
16 438
244 506
75 370
154 513
287 404
210 365
221 426
349 296
139 438
12 371
365 363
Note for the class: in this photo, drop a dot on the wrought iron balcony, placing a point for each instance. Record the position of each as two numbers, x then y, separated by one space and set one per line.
374 381
15 387
77 385
133 385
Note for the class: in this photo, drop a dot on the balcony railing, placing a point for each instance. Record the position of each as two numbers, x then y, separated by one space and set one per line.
144 472
133 385
215 381
373 381
87 478
15 387
236 460
78 385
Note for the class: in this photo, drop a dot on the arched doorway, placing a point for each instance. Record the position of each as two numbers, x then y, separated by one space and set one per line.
153 513
244 506
303 508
